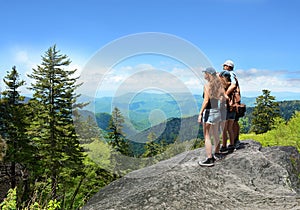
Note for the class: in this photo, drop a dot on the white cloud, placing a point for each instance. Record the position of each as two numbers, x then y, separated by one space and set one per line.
144 76
276 81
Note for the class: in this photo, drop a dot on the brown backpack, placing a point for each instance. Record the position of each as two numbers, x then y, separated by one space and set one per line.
234 102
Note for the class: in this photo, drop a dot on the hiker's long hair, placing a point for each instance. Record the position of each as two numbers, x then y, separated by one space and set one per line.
215 86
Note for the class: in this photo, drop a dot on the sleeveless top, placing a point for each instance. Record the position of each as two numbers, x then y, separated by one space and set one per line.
213 103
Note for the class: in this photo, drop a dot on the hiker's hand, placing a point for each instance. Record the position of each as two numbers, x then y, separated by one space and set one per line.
200 118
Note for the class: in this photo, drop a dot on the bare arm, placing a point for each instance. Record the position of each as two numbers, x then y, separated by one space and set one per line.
223 95
204 103
230 89
233 83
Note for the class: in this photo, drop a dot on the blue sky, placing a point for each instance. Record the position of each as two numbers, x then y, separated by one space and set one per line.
260 36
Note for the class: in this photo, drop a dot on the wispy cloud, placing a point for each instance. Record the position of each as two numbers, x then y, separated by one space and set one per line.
146 77
127 78
180 80
277 81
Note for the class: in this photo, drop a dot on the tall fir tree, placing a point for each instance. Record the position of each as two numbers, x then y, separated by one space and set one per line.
116 136
13 124
264 113
52 128
10 118
118 141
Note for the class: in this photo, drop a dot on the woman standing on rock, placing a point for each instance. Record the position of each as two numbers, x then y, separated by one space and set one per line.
210 114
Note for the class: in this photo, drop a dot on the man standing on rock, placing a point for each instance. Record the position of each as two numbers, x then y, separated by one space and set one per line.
231 126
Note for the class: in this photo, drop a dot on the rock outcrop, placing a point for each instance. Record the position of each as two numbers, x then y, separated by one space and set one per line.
250 178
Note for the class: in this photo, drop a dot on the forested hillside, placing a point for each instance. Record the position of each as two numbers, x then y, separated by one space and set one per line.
45 165
137 107
173 130
188 126
288 108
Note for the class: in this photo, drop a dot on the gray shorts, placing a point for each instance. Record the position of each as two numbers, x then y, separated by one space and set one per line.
211 116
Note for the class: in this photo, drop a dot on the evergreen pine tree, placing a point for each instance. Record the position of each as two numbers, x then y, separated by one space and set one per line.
13 128
153 148
10 119
116 136
52 127
264 113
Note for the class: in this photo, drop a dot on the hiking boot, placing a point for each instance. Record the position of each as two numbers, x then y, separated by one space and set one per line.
236 142
214 158
218 156
239 145
230 148
223 150
207 162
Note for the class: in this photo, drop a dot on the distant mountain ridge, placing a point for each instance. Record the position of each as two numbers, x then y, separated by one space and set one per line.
138 100
145 110
177 128
143 102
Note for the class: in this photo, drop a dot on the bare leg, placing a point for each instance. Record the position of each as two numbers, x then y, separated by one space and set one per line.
215 132
222 126
224 134
208 146
236 130
230 131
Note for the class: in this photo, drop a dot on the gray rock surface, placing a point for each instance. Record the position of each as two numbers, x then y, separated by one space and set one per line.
250 178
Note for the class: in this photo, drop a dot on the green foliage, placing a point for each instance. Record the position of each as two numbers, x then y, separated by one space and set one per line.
41 143
88 184
153 148
294 128
264 113
283 134
52 129
52 205
198 143
100 152
13 125
10 202
115 133
245 124
86 128
116 139
288 108
179 129
12 118
2 148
